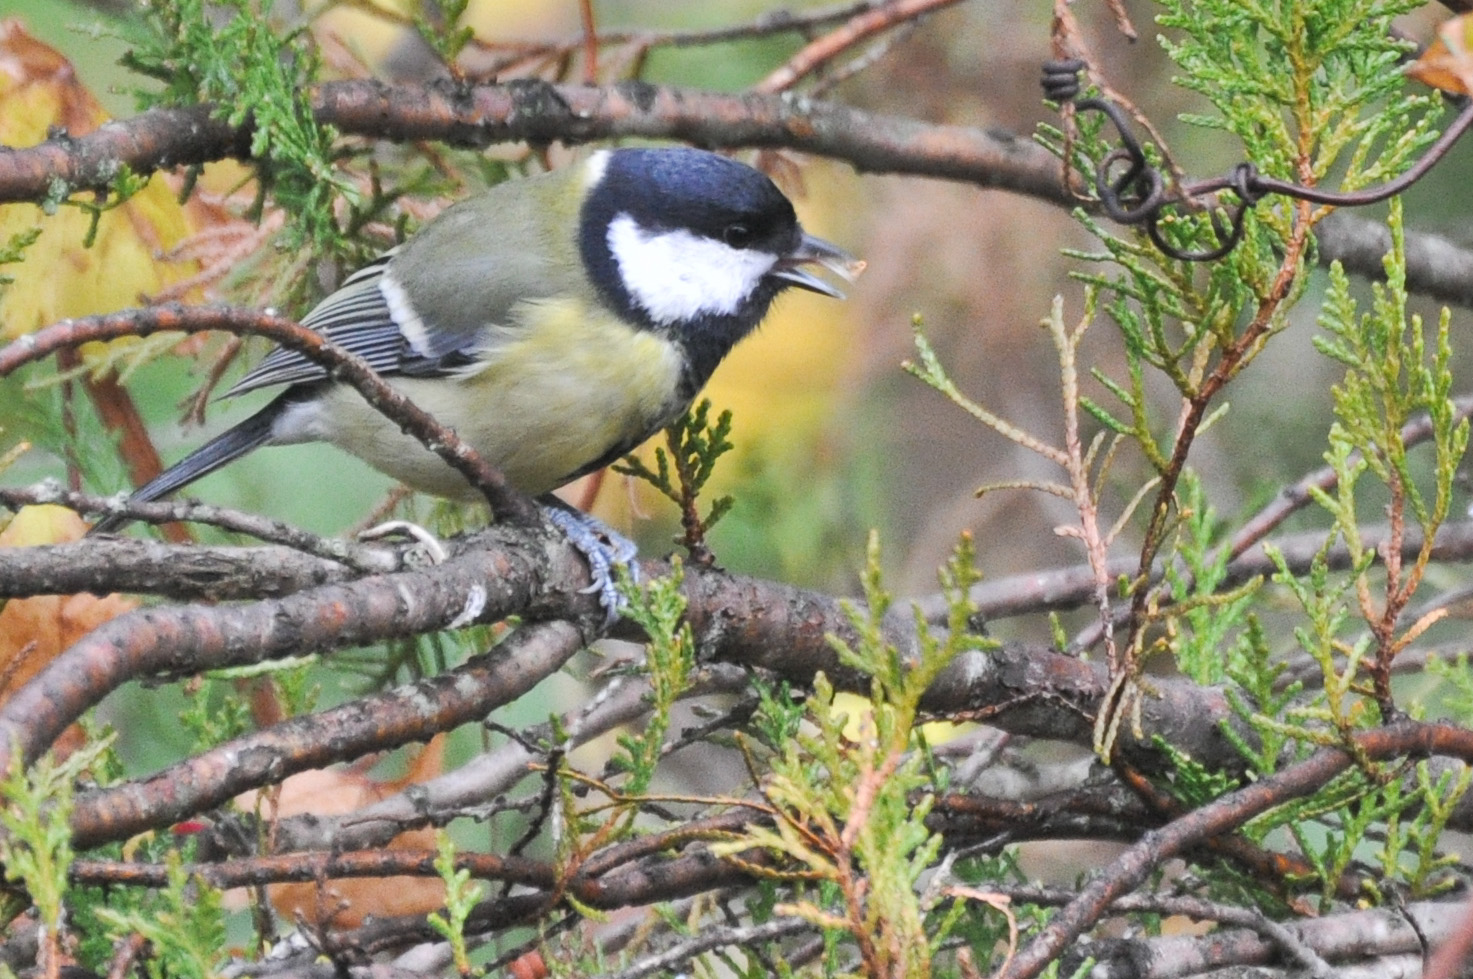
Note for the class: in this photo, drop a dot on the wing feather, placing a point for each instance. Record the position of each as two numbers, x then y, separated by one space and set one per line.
431 307
358 318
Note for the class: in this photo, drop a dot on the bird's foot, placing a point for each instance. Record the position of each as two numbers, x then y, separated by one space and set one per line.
428 550
604 547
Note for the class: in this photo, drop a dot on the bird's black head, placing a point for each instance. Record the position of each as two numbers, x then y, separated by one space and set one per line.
693 245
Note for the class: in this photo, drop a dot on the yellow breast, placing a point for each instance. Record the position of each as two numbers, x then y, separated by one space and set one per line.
561 385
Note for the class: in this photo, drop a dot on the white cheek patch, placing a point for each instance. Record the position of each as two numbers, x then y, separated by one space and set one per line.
676 276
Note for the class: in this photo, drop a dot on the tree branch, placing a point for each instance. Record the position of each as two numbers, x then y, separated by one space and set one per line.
1223 815
477 116
378 722
540 112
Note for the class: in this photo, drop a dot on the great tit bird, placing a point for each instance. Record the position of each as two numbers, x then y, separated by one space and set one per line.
554 322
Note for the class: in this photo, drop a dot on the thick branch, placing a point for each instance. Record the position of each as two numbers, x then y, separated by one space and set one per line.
479 584
416 712
1344 939
147 567
749 622
163 139
539 112
1444 270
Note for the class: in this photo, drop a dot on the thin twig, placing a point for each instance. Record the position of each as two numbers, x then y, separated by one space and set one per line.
855 31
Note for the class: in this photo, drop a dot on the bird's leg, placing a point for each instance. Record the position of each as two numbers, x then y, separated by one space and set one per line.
603 546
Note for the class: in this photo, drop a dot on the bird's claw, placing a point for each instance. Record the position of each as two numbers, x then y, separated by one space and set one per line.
605 549
428 550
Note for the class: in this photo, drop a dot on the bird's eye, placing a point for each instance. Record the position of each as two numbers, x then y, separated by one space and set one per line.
738 235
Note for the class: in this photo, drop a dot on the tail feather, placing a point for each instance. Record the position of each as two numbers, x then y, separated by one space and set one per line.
225 448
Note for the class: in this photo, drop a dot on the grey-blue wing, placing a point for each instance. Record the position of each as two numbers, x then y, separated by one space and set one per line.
355 317
431 307
358 318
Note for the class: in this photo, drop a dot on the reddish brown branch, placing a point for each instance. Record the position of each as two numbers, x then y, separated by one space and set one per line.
1452 542
477 585
538 112
1225 815
297 867
852 32
1230 361
541 113
376 723
162 139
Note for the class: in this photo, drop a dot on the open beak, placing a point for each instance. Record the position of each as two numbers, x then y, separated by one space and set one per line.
812 250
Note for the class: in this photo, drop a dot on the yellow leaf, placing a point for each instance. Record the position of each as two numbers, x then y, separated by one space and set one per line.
33 631
39 94
1447 63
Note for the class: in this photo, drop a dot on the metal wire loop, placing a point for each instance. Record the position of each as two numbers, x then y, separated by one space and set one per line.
1061 79
1137 194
